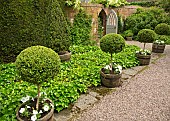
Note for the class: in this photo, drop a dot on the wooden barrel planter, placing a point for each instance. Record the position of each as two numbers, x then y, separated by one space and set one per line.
158 48
110 80
129 38
143 59
49 116
65 56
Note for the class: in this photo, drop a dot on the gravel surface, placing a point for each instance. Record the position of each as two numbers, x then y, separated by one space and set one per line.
145 98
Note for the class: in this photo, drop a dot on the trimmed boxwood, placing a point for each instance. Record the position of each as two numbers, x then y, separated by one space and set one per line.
162 29
146 36
31 22
36 65
112 43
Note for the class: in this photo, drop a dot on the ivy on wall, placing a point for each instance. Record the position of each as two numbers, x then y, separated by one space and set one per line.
100 28
81 29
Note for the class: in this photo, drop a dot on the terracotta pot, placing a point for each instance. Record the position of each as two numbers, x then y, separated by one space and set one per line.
110 80
157 48
66 56
48 117
129 38
143 59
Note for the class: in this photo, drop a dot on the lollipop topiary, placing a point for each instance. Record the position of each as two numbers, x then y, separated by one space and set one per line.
112 43
146 36
36 65
162 29
111 74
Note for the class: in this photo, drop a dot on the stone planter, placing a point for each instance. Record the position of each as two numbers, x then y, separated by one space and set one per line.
143 59
158 48
110 80
47 117
129 38
65 56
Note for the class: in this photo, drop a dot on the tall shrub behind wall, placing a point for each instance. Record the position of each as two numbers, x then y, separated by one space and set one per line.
31 22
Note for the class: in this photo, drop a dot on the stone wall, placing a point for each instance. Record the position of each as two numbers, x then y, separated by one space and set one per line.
95 9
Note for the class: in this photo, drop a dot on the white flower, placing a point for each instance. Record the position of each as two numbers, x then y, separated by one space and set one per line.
28 106
52 105
35 112
159 42
40 111
162 42
108 67
33 118
25 99
46 107
22 110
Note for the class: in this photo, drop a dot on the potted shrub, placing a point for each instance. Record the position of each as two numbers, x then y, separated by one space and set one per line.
145 36
36 65
62 48
128 34
158 46
111 74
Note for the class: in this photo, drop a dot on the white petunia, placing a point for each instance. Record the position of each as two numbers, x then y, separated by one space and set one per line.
22 110
46 107
28 106
40 111
35 112
25 99
52 105
33 118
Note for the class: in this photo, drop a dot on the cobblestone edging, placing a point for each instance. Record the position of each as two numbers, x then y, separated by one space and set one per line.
94 95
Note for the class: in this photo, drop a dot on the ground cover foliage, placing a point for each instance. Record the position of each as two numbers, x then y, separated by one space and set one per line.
74 78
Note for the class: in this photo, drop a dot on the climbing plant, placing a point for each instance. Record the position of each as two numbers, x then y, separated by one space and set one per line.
100 28
81 29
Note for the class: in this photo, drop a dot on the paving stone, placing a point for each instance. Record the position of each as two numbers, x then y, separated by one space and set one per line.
138 68
85 101
130 72
94 94
64 115
125 76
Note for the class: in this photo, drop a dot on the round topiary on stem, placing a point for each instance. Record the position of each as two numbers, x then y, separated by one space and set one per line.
146 36
112 43
36 65
162 29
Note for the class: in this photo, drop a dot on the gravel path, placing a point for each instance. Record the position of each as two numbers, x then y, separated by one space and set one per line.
145 98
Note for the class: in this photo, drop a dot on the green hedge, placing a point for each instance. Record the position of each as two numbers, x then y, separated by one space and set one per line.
31 22
147 18
75 77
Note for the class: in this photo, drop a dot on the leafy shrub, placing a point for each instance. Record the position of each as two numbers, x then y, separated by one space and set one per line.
31 22
81 29
112 43
162 29
128 33
75 77
147 18
146 36
36 65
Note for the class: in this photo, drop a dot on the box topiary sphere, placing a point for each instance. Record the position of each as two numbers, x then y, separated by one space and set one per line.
112 43
36 64
162 29
146 36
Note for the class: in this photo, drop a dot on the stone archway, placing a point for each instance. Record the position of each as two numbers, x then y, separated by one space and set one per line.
112 22
102 16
